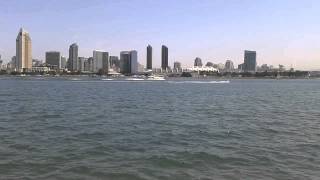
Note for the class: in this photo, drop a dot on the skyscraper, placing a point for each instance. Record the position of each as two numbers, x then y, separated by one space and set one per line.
90 64
229 67
100 61
63 62
81 63
149 57
73 57
164 58
53 58
129 62
197 62
23 51
250 61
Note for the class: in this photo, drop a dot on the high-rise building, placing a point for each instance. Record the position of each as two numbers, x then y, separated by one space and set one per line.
149 57
250 61
229 67
63 64
100 61
197 62
53 58
115 63
73 57
13 62
23 51
164 58
90 64
129 62
81 63
86 66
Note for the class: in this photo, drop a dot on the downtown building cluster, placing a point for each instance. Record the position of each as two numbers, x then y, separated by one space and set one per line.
101 62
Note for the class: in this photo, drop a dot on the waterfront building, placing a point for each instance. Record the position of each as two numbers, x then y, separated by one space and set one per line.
36 62
209 64
86 65
250 61
197 62
73 57
177 66
229 67
100 61
140 67
264 68
81 63
90 64
13 63
149 57
240 67
129 62
23 51
164 58
115 63
203 69
63 61
53 58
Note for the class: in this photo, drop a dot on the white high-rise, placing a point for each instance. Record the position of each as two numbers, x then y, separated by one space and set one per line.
100 61
23 51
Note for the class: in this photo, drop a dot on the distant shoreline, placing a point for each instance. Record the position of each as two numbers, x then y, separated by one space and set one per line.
166 77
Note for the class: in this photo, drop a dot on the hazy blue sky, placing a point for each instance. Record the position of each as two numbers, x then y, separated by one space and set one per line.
282 31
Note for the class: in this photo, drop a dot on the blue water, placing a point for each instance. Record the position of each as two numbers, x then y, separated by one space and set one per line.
55 128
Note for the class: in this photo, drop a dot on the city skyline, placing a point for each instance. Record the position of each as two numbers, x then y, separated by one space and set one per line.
215 31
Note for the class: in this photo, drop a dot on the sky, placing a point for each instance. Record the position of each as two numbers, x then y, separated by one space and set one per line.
282 32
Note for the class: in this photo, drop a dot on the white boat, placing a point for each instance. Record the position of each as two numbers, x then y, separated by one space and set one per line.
107 79
156 78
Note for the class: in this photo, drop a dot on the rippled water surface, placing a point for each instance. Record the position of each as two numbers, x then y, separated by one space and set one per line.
93 129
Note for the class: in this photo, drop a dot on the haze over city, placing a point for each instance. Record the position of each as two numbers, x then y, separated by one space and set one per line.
285 32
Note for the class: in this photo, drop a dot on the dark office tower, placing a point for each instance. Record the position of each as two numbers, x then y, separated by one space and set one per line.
197 62
149 57
164 58
250 61
129 62
73 58
53 58
125 62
